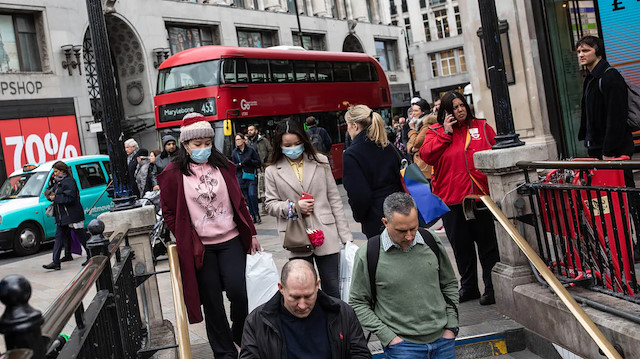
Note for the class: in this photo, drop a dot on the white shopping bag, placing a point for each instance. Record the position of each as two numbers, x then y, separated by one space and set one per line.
347 258
262 279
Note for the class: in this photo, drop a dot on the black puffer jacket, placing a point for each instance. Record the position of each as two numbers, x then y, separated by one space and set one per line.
262 336
66 203
603 122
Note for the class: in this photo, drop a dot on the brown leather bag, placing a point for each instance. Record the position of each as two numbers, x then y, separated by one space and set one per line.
296 238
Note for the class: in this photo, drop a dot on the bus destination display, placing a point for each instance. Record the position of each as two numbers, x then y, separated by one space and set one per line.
176 111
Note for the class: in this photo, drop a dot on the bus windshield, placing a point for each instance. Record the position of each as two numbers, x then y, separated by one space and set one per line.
186 77
24 185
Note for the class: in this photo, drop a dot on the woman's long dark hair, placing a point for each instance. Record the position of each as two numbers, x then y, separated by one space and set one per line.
61 166
293 127
446 105
182 159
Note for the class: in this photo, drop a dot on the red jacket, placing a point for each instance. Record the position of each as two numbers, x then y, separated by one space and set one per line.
452 163
190 247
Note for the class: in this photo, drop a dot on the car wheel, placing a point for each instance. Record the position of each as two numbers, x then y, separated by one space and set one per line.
28 239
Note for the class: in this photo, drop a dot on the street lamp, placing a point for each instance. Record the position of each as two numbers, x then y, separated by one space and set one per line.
507 136
111 109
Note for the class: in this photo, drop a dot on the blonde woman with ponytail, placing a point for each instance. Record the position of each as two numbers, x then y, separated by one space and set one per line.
371 167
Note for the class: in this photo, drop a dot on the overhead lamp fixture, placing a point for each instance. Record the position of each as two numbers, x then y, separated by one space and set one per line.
68 63
161 54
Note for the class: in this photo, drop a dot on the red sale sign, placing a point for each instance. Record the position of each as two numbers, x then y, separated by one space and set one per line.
37 140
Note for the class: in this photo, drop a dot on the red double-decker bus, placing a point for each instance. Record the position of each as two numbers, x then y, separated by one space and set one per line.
260 86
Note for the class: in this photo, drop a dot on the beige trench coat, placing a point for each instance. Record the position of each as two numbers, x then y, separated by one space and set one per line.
282 185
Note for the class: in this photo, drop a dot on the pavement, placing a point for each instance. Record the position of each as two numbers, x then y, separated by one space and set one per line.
475 320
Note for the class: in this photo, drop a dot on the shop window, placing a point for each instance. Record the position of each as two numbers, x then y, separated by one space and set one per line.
19 50
256 38
386 54
186 37
309 41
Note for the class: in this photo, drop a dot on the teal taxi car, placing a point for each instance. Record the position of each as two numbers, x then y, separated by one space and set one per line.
23 223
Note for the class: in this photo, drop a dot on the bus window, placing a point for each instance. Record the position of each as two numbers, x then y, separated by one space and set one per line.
201 74
259 70
281 71
341 72
373 71
241 71
360 71
229 71
324 71
305 71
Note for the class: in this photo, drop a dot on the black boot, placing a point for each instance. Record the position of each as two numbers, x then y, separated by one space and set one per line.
68 258
257 219
52 265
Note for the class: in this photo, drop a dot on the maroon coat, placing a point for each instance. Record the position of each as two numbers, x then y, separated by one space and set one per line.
190 247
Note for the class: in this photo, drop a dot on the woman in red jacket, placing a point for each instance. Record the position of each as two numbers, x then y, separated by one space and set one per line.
204 208
449 146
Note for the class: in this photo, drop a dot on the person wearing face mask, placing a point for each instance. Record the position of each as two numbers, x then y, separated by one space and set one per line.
296 168
449 146
247 162
203 207
371 168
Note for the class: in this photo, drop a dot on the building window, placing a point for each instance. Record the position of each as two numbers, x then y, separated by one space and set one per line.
458 20
405 8
427 30
257 38
448 62
309 41
386 54
394 22
423 4
442 24
246 4
183 37
437 2
392 8
19 44
407 29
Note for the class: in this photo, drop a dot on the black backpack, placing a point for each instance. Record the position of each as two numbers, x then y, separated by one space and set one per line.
316 139
633 118
373 254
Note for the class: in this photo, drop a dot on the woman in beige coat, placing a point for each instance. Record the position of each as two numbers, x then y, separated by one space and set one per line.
295 167
417 132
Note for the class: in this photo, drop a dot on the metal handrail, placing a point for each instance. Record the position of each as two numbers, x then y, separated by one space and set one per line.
182 324
60 311
579 165
64 306
575 309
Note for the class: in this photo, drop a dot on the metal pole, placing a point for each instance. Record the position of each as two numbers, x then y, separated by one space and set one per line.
111 109
412 84
507 137
295 6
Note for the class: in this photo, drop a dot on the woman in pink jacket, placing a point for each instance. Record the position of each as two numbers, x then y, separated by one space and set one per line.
449 146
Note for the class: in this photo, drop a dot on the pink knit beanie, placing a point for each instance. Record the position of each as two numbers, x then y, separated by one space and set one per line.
193 126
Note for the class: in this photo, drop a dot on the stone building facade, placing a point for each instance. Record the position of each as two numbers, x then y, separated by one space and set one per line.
47 67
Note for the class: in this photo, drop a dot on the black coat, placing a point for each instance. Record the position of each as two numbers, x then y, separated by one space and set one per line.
66 203
370 173
262 336
247 161
603 121
131 167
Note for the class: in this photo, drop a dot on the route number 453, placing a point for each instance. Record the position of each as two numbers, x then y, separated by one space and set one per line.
208 108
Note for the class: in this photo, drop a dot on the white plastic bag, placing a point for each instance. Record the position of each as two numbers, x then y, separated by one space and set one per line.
347 258
262 278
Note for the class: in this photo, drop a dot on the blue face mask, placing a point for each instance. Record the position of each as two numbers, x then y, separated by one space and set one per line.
200 155
293 152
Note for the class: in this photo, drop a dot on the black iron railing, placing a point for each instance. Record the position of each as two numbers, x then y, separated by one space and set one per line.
110 327
586 222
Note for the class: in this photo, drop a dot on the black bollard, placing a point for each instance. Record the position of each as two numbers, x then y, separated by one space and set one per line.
20 323
97 243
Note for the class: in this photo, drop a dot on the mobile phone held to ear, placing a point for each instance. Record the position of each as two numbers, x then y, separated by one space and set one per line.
306 195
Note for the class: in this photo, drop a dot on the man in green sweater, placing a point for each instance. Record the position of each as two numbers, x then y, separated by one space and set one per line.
413 308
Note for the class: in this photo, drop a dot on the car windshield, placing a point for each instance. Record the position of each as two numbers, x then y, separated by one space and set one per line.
186 77
24 185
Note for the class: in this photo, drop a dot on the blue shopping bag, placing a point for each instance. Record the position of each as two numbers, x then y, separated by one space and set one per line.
429 205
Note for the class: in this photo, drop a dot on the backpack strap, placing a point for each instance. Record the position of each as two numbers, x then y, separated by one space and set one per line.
600 79
431 242
373 254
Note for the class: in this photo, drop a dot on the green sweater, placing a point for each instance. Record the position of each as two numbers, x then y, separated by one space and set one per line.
410 294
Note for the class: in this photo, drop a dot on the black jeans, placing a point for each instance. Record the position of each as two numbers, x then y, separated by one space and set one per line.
63 238
329 272
463 236
223 268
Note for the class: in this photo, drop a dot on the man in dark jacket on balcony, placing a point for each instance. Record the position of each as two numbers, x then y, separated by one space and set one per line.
301 321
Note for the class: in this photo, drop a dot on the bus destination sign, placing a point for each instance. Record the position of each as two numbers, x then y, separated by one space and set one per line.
176 111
